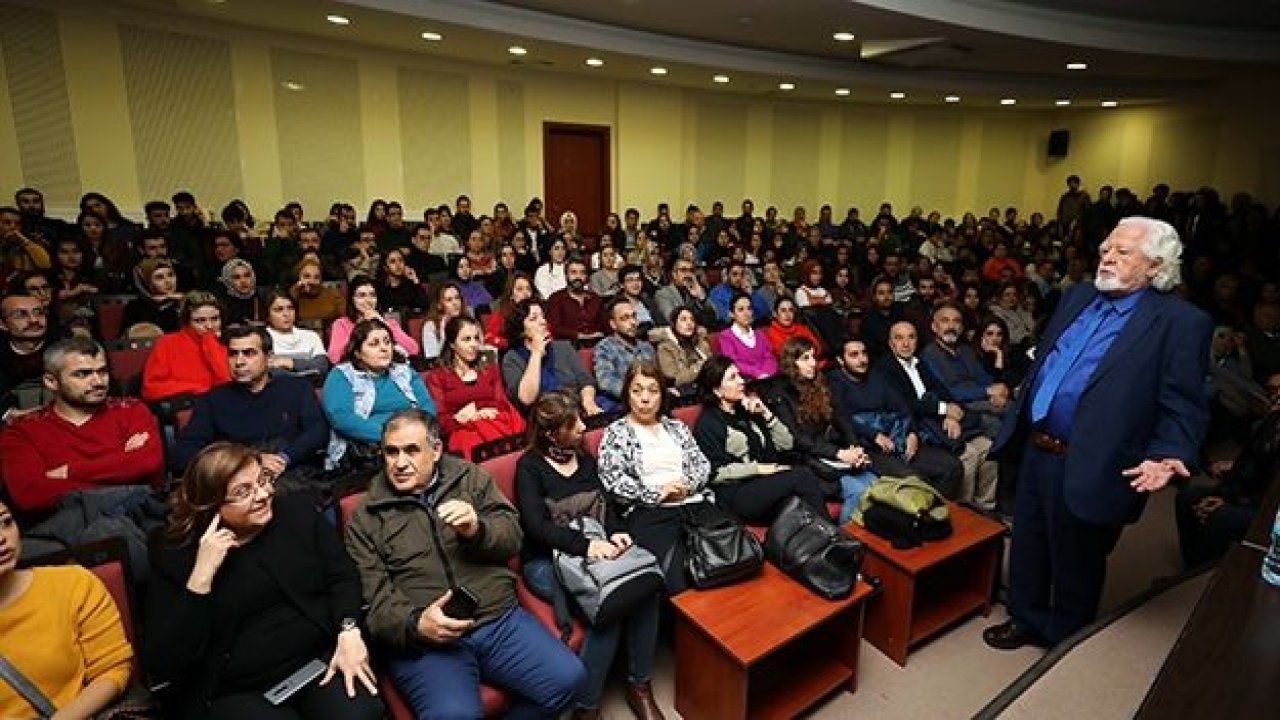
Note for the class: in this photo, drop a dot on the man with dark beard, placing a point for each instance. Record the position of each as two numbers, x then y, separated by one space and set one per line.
574 312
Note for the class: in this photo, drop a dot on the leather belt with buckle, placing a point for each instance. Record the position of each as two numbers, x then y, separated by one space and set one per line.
1048 443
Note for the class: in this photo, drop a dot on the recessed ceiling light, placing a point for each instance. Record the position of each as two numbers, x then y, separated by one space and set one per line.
658 71
1008 101
517 50
843 37
595 62
842 91
1062 103
897 95
432 36
786 86
1109 103
338 19
952 98
1077 66
292 85
722 79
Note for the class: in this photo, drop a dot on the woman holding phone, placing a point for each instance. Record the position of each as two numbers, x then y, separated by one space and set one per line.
246 591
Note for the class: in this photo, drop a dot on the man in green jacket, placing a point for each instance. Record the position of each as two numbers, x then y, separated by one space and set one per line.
431 541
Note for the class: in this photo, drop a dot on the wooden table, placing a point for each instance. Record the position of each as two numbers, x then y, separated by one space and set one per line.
929 588
1226 662
764 648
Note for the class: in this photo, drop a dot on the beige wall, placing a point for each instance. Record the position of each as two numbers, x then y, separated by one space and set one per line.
113 112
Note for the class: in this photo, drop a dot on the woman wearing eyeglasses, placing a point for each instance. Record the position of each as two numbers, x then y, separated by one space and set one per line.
246 590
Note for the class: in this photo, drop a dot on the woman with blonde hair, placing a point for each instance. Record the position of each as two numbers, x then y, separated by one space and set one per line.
246 590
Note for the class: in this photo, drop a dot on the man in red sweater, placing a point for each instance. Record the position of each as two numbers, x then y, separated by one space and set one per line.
576 313
82 440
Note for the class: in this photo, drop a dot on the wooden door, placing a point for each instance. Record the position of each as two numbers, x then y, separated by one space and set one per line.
576 173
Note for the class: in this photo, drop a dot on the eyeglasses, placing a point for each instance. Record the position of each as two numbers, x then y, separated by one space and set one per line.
25 313
266 481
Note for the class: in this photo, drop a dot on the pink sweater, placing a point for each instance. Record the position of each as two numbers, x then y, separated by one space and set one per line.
340 333
753 362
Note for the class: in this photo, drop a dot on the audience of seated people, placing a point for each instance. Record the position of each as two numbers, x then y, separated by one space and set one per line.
557 483
1003 272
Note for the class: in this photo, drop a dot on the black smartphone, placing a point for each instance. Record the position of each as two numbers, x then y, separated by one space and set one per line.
286 688
462 604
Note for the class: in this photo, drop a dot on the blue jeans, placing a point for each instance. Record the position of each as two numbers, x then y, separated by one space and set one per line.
513 652
601 642
852 488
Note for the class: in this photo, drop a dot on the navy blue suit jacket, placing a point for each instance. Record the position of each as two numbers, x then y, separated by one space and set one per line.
1146 400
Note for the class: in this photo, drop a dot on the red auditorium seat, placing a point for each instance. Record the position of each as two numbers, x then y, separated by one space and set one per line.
587 356
111 315
687 414
126 366
591 441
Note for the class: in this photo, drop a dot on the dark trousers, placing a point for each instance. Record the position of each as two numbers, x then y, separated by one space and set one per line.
934 465
313 702
758 499
1057 562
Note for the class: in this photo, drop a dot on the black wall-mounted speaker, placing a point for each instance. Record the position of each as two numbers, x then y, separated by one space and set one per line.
1059 143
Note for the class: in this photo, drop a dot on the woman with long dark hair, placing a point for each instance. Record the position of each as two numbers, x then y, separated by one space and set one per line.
362 304
247 589
682 351
472 404
519 287
745 443
535 364
446 304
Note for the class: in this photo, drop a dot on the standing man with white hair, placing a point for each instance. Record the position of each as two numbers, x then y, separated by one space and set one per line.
1115 407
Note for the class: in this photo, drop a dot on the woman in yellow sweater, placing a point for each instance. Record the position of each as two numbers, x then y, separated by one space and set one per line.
60 628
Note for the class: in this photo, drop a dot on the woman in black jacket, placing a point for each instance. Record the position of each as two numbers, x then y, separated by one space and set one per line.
745 442
825 440
245 591
556 482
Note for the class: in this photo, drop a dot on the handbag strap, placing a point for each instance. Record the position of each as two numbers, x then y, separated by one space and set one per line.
26 688
433 521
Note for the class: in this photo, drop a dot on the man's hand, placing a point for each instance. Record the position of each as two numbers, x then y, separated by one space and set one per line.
1152 475
955 412
998 394
913 445
1206 507
136 441
58 473
439 628
853 456
274 463
951 428
1218 469
884 442
459 515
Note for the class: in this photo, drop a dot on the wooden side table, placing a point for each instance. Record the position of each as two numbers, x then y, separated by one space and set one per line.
764 648
929 588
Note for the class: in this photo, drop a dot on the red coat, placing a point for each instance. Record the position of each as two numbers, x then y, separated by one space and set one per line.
451 394
778 335
93 453
184 363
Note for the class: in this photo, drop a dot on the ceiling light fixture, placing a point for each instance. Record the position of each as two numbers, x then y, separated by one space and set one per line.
1062 103
293 85
658 71
1109 103
897 95
786 86
842 92
952 98
722 79
1008 101
338 19
595 62
843 37
517 50
432 36
1077 66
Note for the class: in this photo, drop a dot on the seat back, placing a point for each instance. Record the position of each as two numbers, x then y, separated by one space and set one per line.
587 356
126 364
110 309
503 470
347 507
591 441
107 559
687 414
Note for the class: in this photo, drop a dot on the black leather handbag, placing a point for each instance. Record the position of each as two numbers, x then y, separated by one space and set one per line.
718 549
813 550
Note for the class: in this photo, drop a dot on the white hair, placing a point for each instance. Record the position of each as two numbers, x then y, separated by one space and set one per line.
1161 244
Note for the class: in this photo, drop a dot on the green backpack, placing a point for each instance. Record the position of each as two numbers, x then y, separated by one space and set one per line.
911 495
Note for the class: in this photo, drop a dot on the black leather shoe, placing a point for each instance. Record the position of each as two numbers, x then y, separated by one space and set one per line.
1010 636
